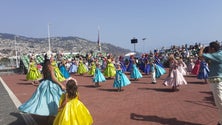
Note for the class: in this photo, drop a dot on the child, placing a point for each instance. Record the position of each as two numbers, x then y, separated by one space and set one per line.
120 79
71 110
98 76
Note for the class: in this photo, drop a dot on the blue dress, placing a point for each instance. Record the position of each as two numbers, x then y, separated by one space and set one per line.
123 66
64 72
98 76
120 79
157 61
204 71
159 71
130 66
73 68
44 101
147 69
135 73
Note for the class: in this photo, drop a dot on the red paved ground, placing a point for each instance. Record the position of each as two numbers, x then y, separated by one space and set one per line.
141 103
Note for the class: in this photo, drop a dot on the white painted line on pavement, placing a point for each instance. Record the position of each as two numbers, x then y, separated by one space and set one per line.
27 118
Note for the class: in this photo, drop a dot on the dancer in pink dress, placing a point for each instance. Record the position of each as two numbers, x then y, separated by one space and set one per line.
175 78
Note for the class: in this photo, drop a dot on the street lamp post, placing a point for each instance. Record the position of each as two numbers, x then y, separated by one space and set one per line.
144 44
134 41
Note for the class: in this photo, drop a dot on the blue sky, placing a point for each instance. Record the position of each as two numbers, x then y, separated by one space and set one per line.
162 22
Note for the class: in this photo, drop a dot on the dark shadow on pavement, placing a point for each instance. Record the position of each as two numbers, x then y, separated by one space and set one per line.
199 82
43 120
23 80
27 83
209 99
108 90
191 76
138 82
201 103
161 120
19 120
158 89
87 86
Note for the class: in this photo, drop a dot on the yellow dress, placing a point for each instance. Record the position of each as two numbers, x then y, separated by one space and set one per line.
58 73
93 69
110 70
33 73
73 113
81 68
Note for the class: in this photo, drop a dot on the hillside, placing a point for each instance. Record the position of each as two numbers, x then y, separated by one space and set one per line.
26 45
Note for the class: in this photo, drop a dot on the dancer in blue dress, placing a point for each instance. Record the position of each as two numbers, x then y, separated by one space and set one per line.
45 100
147 67
157 60
98 76
63 70
73 68
121 79
130 65
204 70
122 63
135 73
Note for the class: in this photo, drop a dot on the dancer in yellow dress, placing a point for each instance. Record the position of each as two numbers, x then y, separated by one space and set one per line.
33 73
110 70
58 73
81 70
92 69
71 110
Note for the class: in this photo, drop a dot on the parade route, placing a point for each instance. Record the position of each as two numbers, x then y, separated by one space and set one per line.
140 103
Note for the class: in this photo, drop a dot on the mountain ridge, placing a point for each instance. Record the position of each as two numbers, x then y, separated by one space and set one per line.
25 45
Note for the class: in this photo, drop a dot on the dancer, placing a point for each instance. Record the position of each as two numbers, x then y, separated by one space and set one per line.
121 79
147 67
130 64
122 63
110 70
92 69
135 73
45 99
71 110
81 70
175 78
73 68
204 70
153 71
63 70
58 73
98 76
33 73
196 68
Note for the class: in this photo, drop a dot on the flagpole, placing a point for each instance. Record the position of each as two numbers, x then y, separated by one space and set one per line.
49 39
98 42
